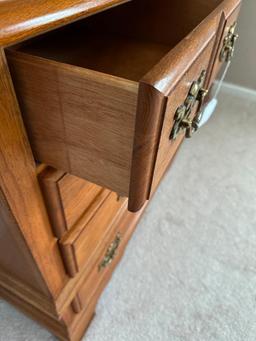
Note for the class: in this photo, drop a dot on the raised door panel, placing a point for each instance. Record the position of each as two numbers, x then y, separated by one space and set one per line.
168 146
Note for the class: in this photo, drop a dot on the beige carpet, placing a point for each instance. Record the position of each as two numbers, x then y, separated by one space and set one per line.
189 273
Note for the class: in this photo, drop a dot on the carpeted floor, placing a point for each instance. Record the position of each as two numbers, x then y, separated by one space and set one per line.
189 273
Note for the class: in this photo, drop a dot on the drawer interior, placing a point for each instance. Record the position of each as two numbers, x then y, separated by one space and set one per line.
93 93
125 41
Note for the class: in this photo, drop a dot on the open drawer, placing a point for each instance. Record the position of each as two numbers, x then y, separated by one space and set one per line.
97 95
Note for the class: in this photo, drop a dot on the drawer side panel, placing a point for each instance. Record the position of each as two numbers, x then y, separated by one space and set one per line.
77 120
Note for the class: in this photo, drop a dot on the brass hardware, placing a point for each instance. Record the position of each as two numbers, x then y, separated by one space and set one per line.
182 117
111 253
227 51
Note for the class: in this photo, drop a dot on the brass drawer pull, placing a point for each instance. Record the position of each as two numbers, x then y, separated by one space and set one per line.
111 253
182 117
227 51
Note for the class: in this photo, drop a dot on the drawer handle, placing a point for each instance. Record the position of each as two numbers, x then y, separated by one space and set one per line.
111 253
182 118
227 51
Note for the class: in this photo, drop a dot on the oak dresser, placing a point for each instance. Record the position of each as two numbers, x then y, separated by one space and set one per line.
96 96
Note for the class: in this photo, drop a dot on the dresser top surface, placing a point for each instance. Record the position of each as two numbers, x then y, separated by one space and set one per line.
22 19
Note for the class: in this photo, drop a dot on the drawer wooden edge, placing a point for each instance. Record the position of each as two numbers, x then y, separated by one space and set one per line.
150 112
74 233
157 85
228 18
18 26
177 59
108 167
151 107
80 238
86 292
75 283
48 179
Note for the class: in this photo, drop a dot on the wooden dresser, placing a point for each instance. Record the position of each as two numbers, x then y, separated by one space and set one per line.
96 97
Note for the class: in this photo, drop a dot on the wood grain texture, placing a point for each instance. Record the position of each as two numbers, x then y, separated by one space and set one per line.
152 101
71 289
67 198
56 326
126 225
123 226
19 185
167 73
20 19
25 291
51 297
121 56
163 78
48 180
229 17
210 77
92 210
84 241
67 135
164 22
82 321
76 305
68 251
202 44
71 325
82 118
171 68
150 112
77 196
211 34
167 148
13 247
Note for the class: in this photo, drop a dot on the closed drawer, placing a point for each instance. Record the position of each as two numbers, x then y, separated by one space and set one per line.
70 201
227 42
107 259
81 215
176 98
79 245
94 95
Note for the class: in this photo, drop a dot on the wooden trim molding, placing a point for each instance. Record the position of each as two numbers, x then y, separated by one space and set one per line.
18 181
20 20
55 325
27 294
150 112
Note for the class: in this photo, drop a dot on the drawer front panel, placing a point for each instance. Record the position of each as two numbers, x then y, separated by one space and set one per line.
168 147
99 276
94 102
172 75
208 60
82 242
81 214
68 199
219 62
76 195
78 120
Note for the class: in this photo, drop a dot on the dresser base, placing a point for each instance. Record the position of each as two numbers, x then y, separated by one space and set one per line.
70 326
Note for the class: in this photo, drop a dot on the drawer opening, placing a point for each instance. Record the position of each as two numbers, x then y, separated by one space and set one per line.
126 41
93 94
